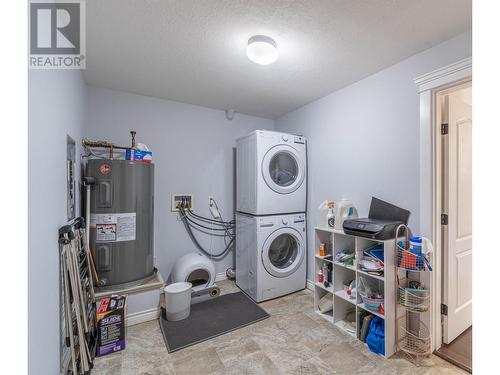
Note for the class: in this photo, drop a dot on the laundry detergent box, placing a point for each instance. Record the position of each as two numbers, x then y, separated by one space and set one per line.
139 155
111 313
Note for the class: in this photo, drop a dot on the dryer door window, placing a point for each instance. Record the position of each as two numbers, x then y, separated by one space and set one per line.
282 169
282 253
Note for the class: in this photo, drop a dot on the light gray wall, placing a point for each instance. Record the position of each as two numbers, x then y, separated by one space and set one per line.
57 107
192 152
363 140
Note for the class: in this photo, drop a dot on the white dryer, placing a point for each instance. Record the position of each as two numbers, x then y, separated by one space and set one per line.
270 173
270 255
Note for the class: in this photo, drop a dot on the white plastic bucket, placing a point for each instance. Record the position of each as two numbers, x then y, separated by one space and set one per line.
178 300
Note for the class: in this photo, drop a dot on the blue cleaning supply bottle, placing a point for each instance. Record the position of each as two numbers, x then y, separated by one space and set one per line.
416 245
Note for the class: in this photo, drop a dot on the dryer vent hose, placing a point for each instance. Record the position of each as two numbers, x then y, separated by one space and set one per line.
219 255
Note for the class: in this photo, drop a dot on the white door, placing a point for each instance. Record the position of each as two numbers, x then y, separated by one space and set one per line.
457 203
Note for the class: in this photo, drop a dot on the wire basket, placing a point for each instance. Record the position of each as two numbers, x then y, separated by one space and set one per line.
416 300
416 343
411 261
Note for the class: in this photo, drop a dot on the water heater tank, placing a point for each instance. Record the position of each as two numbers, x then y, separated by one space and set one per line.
121 221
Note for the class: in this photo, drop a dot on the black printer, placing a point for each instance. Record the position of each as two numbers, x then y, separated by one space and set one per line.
381 223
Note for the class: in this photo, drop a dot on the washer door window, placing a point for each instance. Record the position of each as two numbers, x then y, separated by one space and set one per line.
282 169
283 252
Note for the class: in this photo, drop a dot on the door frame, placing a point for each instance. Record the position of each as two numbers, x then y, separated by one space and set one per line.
429 86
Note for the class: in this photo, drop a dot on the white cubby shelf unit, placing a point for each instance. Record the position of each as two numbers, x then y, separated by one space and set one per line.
336 241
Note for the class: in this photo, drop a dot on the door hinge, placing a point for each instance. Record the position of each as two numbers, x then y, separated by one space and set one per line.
444 128
444 219
444 309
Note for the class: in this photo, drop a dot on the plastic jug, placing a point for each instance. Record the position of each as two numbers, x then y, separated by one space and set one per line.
344 210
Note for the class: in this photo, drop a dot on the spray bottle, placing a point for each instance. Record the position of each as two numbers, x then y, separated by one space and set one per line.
330 216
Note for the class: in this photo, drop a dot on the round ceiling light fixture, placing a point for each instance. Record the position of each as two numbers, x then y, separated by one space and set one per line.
262 50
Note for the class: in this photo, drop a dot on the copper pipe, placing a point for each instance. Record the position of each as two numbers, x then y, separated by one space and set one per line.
102 144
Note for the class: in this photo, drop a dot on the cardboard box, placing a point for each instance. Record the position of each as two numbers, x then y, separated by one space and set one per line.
139 155
111 314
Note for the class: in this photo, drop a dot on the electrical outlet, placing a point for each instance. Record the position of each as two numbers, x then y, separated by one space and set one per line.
213 208
184 200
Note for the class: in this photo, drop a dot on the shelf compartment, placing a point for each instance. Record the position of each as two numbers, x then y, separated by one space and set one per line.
325 238
343 294
319 262
343 242
320 293
347 327
352 267
329 289
361 305
342 276
325 258
344 312
328 316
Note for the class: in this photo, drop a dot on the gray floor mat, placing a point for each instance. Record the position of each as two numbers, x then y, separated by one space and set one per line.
210 319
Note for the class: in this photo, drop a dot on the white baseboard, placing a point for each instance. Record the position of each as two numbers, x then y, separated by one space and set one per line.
220 276
310 285
143 316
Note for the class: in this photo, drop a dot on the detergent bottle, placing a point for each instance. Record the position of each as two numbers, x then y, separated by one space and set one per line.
344 210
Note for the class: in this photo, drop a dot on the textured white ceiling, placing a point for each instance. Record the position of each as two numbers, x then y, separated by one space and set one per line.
193 51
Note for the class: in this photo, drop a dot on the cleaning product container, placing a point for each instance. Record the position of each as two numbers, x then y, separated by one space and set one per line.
322 214
178 301
416 245
344 210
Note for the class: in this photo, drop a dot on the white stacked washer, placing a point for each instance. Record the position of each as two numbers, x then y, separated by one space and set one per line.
270 220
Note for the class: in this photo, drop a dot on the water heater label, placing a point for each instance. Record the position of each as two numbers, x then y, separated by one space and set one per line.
114 227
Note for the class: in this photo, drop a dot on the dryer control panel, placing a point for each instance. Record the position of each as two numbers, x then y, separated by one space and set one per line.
299 139
299 219
282 137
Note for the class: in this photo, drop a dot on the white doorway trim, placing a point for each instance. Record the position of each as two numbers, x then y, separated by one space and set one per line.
430 171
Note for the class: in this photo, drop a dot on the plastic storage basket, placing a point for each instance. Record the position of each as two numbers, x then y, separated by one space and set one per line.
372 304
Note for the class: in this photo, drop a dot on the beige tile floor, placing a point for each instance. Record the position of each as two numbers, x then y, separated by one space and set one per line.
294 340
